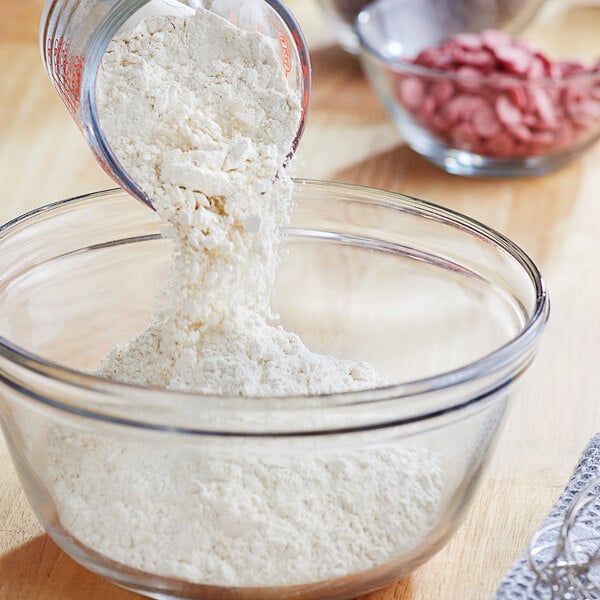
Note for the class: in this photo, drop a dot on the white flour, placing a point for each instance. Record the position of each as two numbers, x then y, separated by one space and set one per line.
200 115
227 521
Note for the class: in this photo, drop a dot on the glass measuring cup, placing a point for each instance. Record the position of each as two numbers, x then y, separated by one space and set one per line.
74 35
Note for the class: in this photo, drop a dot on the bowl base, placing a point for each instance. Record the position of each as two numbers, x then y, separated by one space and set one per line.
162 587
468 164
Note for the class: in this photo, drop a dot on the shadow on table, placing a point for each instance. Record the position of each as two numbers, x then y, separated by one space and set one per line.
402 590
532 211
40 570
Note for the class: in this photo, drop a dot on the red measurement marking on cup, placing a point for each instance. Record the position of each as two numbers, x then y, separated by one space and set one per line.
285 53
67 71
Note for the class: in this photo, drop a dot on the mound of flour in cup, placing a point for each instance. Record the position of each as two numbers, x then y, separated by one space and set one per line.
200 115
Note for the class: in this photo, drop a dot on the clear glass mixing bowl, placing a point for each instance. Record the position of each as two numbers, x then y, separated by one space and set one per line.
448 310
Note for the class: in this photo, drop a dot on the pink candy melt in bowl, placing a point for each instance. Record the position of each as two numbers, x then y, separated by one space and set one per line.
478 103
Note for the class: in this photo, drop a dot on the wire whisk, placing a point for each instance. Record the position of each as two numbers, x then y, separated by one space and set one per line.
565 554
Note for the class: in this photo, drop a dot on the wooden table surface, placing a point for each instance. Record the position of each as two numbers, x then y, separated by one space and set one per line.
555 218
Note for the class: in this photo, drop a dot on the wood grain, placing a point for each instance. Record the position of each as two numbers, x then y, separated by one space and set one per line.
555 218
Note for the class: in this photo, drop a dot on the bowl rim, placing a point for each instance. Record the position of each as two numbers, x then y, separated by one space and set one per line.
504 358
401 65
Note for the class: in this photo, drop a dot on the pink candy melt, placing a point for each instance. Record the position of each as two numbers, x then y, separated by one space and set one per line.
505 99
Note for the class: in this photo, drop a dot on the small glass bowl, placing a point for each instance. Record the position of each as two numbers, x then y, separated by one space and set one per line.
443 115
446 309
461 15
